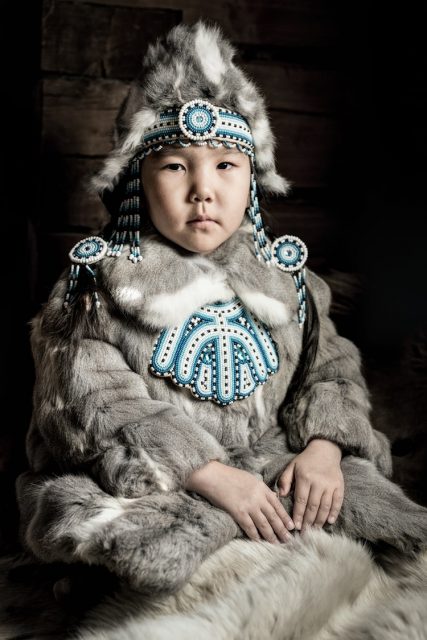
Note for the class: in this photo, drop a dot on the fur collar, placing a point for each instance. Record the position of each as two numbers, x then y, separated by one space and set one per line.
170 282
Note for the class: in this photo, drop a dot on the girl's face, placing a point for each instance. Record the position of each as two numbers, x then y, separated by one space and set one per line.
197 195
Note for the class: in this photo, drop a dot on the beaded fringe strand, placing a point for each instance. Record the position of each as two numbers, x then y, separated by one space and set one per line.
262 249
128 226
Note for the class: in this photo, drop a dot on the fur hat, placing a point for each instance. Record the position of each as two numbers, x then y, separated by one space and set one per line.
189 91
190 62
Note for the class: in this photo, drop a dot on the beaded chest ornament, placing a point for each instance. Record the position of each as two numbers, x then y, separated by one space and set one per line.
221 353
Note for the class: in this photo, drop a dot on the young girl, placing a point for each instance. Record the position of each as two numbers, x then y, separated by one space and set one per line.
190 384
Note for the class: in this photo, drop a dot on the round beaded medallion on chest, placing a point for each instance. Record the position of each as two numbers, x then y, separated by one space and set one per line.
221 353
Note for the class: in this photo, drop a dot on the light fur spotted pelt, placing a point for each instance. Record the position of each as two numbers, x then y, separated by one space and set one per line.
317 587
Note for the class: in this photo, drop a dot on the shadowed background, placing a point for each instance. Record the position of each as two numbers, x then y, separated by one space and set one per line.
345 86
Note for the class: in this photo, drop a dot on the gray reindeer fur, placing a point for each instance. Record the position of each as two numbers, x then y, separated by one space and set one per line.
110 445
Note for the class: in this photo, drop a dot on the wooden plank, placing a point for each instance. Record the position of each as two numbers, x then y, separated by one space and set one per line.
298 88
319 7
291 23
106 41
306 147
79 114
66 198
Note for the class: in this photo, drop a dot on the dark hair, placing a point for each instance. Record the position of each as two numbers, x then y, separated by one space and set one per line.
310 343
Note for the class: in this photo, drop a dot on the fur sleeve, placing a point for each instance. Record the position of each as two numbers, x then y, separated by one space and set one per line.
94 414
334 403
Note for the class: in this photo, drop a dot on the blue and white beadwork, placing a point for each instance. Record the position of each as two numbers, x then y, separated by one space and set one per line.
127 229
262 248
290 254
89 250
221 353
198 119
84 253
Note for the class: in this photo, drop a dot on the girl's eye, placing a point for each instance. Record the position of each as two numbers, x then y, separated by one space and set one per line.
221 165
174 166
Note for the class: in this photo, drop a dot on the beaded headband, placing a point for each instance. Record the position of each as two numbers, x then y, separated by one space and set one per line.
195 122
198 121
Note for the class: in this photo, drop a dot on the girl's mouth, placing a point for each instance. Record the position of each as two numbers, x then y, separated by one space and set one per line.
202 222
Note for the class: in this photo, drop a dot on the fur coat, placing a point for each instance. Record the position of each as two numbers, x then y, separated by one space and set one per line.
111 445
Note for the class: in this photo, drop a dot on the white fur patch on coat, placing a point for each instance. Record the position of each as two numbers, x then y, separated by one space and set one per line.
169 309
269 310
125 295
111 510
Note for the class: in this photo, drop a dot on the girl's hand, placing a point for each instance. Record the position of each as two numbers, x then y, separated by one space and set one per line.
253 505
319 484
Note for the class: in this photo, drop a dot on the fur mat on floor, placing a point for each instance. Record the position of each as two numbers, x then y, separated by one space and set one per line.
318 587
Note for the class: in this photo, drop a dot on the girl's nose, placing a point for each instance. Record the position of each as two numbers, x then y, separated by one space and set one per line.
201 185
200 196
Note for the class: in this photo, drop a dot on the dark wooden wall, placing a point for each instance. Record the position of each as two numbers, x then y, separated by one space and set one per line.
345 86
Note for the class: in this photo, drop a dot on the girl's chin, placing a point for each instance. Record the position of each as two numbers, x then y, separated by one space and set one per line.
201 244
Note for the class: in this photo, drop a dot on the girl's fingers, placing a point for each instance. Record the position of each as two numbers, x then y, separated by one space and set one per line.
324 509
249 528
313 504
301 492
276 522
337 500
264 527
280 510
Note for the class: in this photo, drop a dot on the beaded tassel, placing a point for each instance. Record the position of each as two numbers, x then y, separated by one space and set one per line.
262 249
73 278
72 285
85 252
94 292
129 221
299 279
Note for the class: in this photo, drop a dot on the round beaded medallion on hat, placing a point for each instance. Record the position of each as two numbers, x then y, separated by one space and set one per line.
289 253
198 119
88 250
